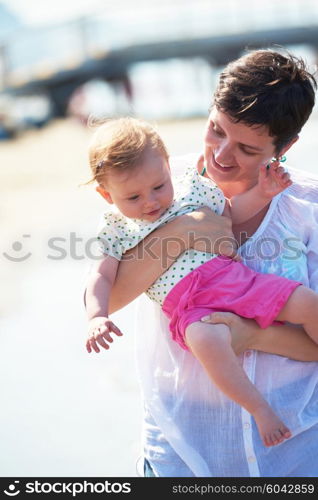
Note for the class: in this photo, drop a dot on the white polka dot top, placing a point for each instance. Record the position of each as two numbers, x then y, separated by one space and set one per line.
119 234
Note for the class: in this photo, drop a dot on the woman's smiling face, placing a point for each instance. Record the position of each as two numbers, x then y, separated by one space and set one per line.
234 152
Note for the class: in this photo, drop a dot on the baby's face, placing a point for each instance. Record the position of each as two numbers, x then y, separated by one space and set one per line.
146 192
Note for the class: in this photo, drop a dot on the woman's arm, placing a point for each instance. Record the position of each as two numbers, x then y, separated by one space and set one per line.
201 229
286 340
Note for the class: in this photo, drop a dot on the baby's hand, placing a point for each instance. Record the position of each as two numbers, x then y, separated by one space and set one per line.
99 333
273 180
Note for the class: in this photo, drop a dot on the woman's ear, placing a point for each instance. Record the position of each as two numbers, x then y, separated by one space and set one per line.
105 194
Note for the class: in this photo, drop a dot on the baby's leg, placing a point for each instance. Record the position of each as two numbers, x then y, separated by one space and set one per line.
211 345
302 308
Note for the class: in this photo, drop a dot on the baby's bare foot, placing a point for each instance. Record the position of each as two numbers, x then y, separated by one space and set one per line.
271 428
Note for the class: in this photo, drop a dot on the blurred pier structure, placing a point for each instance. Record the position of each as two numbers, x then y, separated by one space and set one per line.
55 60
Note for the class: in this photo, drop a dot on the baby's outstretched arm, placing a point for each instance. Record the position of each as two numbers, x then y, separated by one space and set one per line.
98 290
272 180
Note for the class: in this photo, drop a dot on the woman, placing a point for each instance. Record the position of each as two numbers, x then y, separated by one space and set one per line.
190 429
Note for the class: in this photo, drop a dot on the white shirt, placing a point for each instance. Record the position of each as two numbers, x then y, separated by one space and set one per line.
190 427
119 233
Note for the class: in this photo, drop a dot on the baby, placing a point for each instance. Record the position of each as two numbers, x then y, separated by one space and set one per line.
131 166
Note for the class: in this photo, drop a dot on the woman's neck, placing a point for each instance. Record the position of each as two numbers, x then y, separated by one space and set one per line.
247 228
233 188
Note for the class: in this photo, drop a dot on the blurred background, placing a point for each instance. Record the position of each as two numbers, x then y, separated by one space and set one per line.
64 412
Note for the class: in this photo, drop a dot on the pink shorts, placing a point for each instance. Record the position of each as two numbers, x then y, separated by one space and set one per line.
222 284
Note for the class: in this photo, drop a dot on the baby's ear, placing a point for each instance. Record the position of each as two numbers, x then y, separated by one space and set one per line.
105 194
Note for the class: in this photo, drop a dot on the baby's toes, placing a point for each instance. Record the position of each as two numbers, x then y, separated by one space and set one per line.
278 436
268 440
285 432
286 179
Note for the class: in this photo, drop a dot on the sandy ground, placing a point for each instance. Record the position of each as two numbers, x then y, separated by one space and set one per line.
64 412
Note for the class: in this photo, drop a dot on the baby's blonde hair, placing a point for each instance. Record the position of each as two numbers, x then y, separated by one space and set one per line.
120 144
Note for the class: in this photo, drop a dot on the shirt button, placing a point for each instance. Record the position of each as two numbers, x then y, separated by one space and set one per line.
248 353
251 459
246 425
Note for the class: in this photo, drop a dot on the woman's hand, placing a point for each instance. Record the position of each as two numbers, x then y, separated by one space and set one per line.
202 229
243 331
206 231
286 340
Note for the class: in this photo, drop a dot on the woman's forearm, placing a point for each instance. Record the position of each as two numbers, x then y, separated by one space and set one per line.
286 340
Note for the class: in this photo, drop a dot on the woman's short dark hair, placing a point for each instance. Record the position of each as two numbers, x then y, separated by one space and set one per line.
268 88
